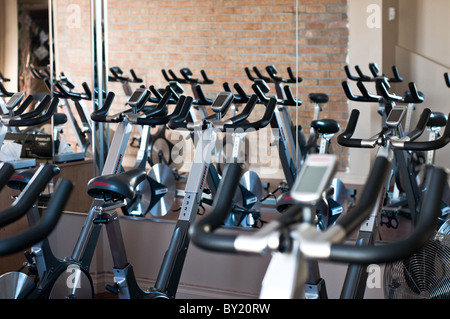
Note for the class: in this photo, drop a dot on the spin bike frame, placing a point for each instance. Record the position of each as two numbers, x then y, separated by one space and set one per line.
293 239
392 147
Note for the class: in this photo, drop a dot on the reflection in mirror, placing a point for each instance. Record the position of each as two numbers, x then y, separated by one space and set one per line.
73 81
223 38
99 41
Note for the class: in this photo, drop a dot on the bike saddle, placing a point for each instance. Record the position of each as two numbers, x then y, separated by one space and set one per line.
326 126
115 187
318 97
437 119
59 118
20 179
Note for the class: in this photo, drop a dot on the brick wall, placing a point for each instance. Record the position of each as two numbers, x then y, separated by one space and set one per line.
221 37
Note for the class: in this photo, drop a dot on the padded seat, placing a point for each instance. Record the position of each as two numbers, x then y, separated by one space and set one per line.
59 118
116 186
20 179
325 126
437 119
318 97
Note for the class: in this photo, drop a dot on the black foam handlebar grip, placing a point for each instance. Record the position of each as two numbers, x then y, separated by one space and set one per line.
6 171
44 226
257 125
246 111
202 232
38 108
430 145
429 213
344 138
181 110
5 92
87 91
421 124
28 196
101 114
25 104
39 119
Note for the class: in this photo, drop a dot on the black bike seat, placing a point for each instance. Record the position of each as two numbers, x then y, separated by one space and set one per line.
20 179
437 119
116 186
318 97
59 118
326 126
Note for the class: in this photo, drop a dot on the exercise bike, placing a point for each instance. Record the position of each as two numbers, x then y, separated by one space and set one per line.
31 182
54 273
294 239
393 147
107 188
44 110
324 129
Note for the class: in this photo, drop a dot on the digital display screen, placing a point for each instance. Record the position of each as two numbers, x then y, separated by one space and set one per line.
15 99
310 179
220 100
395 115
135 97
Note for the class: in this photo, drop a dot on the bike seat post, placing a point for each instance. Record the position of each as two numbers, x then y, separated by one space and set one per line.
325 140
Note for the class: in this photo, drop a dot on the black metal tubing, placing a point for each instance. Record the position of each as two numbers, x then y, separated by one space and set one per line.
430 210
44 226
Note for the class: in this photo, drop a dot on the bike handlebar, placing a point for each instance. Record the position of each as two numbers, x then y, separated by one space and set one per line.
179 113
257 125
315 244
365 97
187 75
25 104
202 99
3 79
27 197
401 249
240 97
406 143
246 111
236 122
421 124
375 72
6 171
34 120
118 75
202 232
4 91
44 226
87 95
37 110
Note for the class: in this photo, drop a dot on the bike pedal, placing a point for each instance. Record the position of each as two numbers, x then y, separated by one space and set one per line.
113 289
